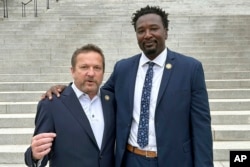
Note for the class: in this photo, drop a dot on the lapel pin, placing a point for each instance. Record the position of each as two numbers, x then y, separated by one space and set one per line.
168 66
106 97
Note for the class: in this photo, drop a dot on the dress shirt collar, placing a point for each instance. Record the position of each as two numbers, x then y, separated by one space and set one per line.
159 60
79 93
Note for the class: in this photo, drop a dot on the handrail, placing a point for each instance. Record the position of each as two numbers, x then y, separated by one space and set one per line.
48 3
5 9
35 8
23 8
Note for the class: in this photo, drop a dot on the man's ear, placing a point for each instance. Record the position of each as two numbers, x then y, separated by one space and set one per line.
166 34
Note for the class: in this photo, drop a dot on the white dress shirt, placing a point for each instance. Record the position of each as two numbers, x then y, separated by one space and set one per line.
94 113
140 77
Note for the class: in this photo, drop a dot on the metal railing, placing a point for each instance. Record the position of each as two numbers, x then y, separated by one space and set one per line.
5 9
48 3
24 5
35 7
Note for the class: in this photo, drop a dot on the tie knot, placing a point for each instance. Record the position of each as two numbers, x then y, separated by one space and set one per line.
151 64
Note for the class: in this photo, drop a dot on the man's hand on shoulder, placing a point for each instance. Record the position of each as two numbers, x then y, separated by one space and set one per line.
57 89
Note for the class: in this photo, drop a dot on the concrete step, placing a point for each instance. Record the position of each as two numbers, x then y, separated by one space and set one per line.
228 93
228 84
222 148
18 107
12 154
227 75
12 165
20 96
22 120
221 164
56 77
230 117
229 104
11 136
28 86
225 66
36 69
231 132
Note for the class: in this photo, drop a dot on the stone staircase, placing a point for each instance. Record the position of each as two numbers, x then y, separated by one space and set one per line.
35 53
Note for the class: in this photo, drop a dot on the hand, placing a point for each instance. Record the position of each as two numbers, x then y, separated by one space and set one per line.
57 89
41 145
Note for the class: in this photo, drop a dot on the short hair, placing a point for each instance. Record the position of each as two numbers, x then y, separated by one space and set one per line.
150 10
85 49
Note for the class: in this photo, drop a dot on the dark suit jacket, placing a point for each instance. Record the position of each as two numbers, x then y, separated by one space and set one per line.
182 116
75 144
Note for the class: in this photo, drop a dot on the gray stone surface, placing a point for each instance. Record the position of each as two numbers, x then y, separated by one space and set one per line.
35 54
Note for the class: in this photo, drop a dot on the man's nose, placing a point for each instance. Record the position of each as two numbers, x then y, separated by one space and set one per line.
90 72
147 34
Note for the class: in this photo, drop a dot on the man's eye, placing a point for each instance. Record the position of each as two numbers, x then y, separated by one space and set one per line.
140 31
98 68
84 67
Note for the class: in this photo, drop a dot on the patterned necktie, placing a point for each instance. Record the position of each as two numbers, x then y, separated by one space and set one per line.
142 136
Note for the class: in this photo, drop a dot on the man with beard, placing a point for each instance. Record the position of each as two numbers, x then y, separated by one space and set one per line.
163 116
77 129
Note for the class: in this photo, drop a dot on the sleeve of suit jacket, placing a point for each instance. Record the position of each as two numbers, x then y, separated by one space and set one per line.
43 123
201 120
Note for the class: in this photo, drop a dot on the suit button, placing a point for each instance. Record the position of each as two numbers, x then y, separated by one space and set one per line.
100 157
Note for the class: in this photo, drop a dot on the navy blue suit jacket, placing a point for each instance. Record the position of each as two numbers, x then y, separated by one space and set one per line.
75 144
182 116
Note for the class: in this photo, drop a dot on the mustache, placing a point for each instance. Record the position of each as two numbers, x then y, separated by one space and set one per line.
90 80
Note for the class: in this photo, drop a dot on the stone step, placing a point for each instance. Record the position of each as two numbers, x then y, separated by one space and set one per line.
20 96
28 86
9 136
229 104
12 165
227 75
18 107
225 66
228 93
231 132
12 154
222 148
219 164
22 120
230 117
57 77
228 84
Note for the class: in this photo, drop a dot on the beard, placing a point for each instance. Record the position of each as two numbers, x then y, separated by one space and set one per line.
150 51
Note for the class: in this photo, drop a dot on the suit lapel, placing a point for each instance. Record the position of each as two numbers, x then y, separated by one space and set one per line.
168 70
131 81
106 107
72 103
